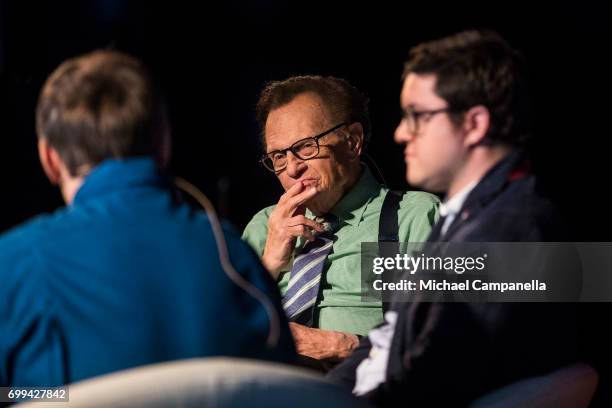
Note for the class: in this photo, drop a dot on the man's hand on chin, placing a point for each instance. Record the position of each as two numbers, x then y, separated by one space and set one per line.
286 223
322 344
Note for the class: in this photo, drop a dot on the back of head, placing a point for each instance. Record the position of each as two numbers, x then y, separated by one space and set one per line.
102 105
478 68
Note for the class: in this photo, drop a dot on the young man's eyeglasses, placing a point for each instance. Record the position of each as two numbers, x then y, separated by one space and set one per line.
413 117
303 149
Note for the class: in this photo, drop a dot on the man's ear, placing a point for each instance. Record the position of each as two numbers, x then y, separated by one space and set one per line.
354 139
50 160
476 124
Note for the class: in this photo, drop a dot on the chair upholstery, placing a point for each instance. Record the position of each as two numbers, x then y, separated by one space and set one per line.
207 382
569 387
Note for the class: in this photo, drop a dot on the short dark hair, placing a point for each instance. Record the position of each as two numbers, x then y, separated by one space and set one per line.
98 106
344 102
478 67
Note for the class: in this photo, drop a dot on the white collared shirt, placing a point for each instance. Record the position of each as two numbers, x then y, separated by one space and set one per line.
373 370
451 207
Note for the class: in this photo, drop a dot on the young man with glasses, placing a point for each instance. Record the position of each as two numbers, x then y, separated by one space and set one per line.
463 127
314 130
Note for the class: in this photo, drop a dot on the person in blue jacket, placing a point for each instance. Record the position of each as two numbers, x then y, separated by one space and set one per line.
127 273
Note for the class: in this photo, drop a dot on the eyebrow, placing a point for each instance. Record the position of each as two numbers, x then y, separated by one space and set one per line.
269 150
294 142
414 107
288 147
318 135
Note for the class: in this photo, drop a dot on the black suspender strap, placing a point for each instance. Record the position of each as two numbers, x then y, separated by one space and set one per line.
388 224
388 230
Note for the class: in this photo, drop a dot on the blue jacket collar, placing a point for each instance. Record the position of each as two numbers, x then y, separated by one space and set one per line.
115 175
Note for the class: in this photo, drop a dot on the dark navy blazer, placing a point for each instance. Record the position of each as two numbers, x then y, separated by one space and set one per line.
445 353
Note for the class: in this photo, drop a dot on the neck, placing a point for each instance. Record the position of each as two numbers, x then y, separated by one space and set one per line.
479 161
69 185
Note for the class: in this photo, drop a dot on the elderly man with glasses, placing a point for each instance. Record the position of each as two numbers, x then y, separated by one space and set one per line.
314 130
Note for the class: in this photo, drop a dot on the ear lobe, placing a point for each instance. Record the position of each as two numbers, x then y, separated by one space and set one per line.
476 125
49 160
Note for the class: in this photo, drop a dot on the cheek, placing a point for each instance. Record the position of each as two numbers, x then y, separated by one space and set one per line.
431 157
440 147
329 174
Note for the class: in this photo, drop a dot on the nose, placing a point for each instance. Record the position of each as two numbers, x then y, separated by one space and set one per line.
295 165
402 135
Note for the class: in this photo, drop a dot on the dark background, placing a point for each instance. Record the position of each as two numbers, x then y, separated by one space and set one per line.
212 60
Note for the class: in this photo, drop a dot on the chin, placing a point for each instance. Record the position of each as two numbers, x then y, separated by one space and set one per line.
314 206
414 179
318 206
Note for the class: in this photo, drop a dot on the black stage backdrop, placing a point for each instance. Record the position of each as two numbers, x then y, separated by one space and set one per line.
213 59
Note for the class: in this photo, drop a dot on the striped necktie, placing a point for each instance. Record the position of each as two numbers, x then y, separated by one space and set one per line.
303 286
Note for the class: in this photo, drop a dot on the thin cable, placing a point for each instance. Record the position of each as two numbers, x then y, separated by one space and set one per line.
371 160
228 268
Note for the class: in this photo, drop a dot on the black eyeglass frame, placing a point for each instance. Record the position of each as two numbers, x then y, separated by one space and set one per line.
267 161
415 115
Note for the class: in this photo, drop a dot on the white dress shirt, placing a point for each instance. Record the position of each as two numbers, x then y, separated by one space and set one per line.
451 207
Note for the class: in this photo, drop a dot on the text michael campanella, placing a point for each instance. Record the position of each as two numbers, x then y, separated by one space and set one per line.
456 264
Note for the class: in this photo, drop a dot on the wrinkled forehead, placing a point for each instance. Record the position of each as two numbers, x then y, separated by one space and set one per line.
304 116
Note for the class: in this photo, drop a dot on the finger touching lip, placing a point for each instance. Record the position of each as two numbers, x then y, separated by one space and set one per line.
309 182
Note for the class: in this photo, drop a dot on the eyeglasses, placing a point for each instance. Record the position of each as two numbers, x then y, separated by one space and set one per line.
412 117
303 149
